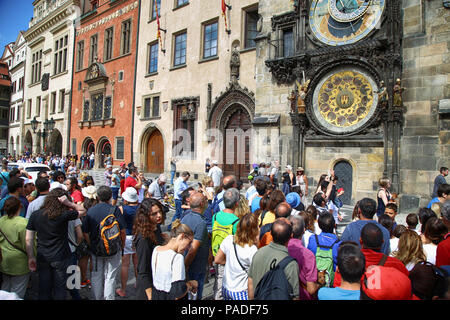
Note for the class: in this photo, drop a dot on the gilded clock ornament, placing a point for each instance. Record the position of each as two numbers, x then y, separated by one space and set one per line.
341 22
345 100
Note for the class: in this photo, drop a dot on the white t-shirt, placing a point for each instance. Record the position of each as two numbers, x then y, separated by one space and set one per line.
430 252
394 245
167 267
306 237
234 278
216 174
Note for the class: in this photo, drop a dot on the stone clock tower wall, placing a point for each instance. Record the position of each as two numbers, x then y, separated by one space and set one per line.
302 143
406 141
425 145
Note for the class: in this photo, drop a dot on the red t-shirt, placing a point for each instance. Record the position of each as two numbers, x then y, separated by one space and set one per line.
443 252
77 196
130 182
373 258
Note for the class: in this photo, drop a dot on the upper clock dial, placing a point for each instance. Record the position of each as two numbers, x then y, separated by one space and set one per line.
340 22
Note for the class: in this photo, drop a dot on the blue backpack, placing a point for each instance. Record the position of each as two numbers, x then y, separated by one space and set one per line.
274 284
210 211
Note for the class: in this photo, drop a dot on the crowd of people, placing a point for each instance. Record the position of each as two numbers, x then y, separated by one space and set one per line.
267 241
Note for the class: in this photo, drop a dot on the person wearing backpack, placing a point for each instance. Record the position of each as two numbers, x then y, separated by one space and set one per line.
224 223
104 230
196 258
371 241
273 274
351 264
325 247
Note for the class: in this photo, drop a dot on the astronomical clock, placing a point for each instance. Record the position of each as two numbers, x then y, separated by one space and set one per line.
340 61
345 49
342 22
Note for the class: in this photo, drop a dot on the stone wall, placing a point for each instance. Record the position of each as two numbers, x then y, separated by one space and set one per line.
367 163
424 146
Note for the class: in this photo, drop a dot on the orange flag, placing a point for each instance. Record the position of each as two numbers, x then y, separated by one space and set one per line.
224 10
158 34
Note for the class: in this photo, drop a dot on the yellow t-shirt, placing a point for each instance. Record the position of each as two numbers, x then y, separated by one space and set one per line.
268 218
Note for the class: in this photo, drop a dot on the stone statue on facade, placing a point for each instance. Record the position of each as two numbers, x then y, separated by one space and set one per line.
398 91
235 63
293 101
302 89
383 96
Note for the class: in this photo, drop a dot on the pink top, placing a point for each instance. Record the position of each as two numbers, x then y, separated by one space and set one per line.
306 265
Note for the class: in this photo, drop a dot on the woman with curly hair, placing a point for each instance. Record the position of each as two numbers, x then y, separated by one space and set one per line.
409 250
147 235
53 252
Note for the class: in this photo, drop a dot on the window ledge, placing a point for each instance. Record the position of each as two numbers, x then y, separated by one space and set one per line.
181 66
59 74
151 74
34 84
208 59
247 50
180 6
96 123
150 118
153 19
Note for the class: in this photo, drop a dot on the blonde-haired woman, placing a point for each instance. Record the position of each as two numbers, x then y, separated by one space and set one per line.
410 250
236 253
383 195
169 274
242 209
207 188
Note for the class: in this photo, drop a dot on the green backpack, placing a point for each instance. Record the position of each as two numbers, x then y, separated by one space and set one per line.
220 232
324 262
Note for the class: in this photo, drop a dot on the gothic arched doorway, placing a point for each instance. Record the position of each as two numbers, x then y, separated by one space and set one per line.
344 171
104 150
54 144
88 146
155 152
28 142
237 136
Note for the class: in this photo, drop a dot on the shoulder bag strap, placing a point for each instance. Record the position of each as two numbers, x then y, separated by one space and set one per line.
383 260
12 244
237 257
3 178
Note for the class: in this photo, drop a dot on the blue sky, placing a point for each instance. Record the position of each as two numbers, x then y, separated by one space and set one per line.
14 16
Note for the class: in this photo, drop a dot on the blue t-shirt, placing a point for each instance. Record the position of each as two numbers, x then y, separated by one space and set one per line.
196 222
338 294
353 233
325 239
4 178
23 200
256 203
129 213
434 200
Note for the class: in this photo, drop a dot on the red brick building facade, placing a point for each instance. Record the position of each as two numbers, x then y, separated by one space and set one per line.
103 80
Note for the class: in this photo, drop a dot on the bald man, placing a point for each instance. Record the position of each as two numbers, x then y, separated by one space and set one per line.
228 182
196 258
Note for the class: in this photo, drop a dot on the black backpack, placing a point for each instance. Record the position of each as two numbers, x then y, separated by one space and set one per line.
274 285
